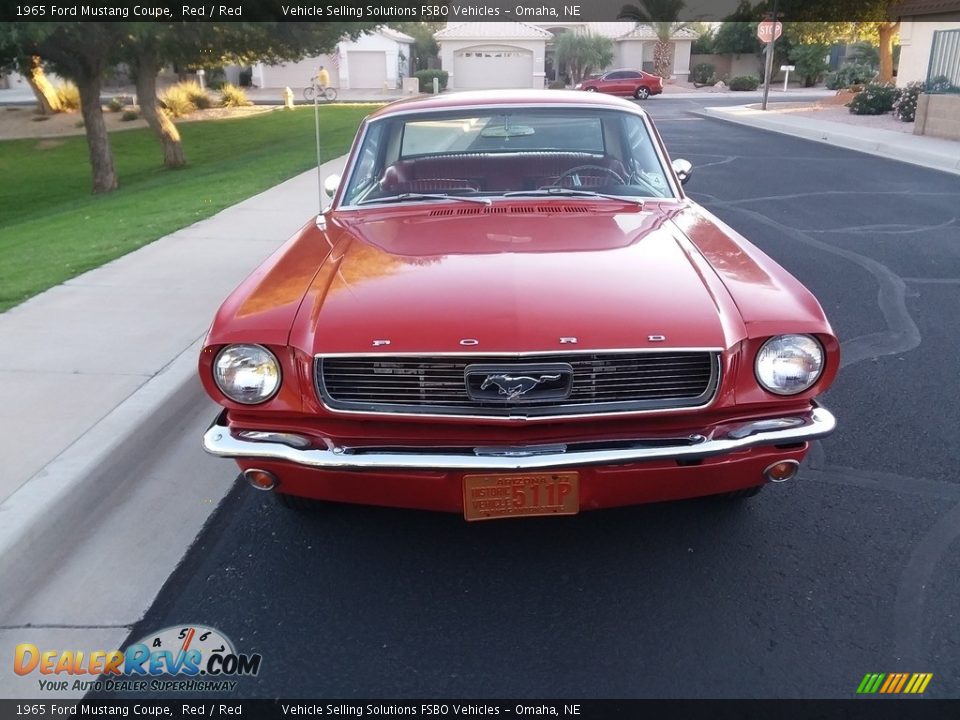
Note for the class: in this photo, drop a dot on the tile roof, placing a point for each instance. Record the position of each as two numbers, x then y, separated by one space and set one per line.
645 32
389 32
492 31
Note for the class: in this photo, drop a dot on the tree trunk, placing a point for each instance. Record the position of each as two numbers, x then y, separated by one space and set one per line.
157 119
98 141
887 32
47 101
663 59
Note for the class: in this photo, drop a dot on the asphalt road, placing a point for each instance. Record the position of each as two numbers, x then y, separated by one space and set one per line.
852 568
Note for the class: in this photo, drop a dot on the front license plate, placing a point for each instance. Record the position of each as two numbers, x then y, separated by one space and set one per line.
487 497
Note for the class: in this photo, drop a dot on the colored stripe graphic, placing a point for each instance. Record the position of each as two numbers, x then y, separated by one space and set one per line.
894 683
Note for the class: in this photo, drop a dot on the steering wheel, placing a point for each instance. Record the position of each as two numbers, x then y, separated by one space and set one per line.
601 168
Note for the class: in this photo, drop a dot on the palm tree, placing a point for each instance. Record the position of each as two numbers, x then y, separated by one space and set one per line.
661 16
583 53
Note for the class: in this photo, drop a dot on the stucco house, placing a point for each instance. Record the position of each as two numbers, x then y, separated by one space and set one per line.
375 60
919 21
520 54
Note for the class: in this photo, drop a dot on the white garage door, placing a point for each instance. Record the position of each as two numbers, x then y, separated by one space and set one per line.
492 67
367 69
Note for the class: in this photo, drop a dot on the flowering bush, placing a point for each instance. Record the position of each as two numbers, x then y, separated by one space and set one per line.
905 105
940 84
875 99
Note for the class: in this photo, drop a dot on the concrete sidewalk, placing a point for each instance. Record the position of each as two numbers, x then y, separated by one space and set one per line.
929 152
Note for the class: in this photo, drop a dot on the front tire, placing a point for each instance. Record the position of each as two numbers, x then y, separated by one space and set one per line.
308 93
590 89
641 93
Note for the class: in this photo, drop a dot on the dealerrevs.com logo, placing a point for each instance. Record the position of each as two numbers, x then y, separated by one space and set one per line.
191 658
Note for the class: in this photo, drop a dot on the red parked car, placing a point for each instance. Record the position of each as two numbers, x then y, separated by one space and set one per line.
511 308
632 83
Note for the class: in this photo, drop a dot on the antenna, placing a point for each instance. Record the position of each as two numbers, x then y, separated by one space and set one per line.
316 122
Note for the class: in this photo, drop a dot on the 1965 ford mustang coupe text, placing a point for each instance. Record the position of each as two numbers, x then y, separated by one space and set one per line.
510 309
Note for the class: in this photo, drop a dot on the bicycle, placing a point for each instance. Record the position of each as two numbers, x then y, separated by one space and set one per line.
322 94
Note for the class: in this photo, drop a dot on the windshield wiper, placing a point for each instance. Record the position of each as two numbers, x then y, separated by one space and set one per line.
571 192
424 196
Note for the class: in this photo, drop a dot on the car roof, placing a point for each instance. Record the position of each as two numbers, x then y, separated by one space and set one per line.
486 98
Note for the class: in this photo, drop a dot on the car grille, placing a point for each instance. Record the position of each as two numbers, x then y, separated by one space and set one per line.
449 385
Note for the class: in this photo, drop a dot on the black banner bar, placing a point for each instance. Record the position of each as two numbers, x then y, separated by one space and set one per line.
428 10
855 709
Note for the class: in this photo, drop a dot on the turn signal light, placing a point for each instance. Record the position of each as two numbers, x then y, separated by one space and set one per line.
261 479
782 471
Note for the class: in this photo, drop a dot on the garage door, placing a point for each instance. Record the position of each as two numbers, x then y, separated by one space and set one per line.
492 67
367 69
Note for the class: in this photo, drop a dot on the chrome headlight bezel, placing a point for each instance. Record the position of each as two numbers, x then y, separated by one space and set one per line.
800 345
247 351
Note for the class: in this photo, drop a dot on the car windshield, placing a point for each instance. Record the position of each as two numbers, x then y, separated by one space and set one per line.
513 152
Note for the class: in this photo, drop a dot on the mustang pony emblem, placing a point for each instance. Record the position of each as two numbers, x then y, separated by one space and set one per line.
513 386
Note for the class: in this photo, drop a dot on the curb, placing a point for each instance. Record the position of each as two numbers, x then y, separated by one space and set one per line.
57 509
839 138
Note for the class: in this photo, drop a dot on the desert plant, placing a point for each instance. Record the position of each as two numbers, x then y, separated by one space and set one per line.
864 53
69 96
557 85
854 74
702 73
905 104
115 105
426 79
744 82
129 115
197 95
874 99
233 96
176 101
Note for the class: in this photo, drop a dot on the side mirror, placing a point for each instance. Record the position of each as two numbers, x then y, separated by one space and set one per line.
683 170
330 185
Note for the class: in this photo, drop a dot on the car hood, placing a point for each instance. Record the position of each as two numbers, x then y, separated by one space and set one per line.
524 279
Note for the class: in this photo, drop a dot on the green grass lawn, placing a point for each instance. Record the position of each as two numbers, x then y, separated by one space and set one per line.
52 228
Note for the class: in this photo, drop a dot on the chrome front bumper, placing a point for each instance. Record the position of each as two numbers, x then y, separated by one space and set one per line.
789 429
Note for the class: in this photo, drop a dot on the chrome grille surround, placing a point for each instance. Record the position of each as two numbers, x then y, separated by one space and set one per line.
605 382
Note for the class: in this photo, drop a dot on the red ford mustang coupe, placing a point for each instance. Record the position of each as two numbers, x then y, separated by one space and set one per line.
512 309
634 83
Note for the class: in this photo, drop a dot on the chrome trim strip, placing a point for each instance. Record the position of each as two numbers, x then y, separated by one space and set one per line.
524 353
218 440
713 390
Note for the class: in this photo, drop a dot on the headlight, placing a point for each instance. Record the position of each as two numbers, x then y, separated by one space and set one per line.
247 374
789 364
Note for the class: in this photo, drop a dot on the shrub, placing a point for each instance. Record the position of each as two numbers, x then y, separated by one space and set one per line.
701 74
744 82
197 95
115 105
855 74
874 99
905 104
810 61
233 96
939 84
69 96
129 115
426 79
176 101
555 85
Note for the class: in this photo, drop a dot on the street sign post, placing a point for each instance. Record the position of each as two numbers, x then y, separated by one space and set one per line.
768 31
786 69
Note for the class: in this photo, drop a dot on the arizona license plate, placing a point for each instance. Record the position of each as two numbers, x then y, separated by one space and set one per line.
487 497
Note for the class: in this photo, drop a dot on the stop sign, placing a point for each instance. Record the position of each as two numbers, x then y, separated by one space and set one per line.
768 31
